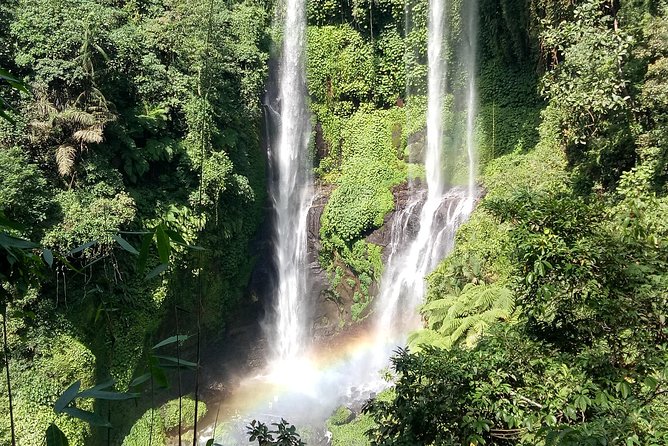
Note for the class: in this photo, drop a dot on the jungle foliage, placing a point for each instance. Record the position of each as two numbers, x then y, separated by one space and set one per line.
137 134
130 135
547 323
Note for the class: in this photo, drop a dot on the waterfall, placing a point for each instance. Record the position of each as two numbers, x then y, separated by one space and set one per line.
439 212
435 96
291 189
470 13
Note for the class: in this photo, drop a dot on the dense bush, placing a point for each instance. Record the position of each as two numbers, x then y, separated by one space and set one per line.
131 106
582 361
149 429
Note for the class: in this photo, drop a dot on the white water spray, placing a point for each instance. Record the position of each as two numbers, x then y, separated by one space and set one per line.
435 96
422 234
403 284
470 56
292 189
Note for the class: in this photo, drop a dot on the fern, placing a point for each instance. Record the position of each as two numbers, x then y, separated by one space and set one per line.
73 116
433 338
90 135
465 316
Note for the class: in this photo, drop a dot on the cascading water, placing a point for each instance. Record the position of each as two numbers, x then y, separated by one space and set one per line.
470 13
422 233
292 188
403 284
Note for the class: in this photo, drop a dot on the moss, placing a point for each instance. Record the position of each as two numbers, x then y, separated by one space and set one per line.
542 168
340 67
59 361
371 150
357 309
149 429
352 433
341 416
170 413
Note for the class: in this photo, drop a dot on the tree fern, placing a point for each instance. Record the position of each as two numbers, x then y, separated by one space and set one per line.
428 337
65 156
463 317
72 128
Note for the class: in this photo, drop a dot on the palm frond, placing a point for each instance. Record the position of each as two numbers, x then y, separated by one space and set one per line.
90 135
77 117
65 156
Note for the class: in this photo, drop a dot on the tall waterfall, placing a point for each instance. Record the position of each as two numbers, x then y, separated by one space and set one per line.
439 211
291 189
470 49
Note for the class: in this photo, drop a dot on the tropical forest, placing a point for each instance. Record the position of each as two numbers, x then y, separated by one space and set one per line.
334 222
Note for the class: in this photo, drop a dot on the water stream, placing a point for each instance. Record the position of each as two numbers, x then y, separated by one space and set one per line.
304 384
441 213
291 191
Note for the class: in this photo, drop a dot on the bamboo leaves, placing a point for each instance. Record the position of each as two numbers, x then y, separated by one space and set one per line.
66 404
55 437
160 236
16 84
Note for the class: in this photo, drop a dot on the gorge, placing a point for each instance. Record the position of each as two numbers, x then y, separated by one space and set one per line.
387 222
297 384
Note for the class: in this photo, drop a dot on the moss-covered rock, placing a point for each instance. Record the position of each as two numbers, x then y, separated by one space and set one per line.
170 414
149 429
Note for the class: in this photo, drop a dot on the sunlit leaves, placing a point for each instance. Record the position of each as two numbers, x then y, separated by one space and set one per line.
283 434
66 403
15 83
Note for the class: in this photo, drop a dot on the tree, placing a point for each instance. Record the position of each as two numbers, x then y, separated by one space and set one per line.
463 318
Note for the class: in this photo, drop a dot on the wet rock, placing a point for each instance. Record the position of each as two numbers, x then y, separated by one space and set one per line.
417 144
407 216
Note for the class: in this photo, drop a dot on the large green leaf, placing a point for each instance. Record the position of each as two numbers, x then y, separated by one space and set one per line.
124 244
48 256
7 223
176 362
171 340
157 271
140 380
55 437
80 248
67 397
106 395
8 241
13 81
89 417
164 246
158 373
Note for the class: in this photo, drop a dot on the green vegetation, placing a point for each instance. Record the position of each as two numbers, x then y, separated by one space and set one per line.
133 181
352 433
129 108
170 413
546 325
149 429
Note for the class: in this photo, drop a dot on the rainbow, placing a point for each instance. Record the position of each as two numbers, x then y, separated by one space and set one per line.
306 390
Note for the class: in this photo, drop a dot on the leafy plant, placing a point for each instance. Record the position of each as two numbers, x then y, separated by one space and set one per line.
466 316
16 84
284 434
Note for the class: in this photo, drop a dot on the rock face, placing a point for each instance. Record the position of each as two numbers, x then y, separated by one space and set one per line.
417 144
325 311
383 235
332 311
